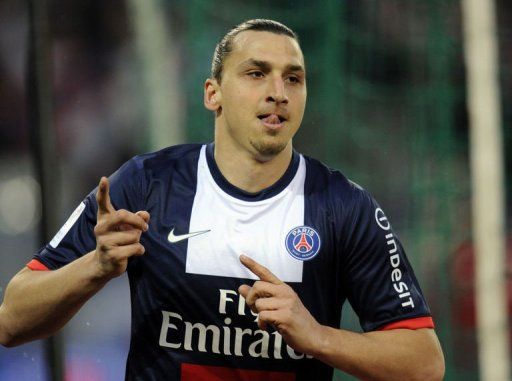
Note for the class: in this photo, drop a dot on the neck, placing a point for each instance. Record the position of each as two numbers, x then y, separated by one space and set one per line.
247 171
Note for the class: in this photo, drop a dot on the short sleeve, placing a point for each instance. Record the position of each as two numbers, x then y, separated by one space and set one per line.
379 280
76 237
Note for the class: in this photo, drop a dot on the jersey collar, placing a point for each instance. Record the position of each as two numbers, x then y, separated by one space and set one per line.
234 191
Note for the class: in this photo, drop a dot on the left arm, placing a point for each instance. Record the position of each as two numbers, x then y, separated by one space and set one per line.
398 354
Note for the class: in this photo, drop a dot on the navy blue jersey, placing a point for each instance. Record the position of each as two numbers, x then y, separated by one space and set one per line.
314 229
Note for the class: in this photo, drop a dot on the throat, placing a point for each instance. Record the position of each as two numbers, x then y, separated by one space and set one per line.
250 174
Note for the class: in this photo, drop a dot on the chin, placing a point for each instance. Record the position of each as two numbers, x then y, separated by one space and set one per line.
268 148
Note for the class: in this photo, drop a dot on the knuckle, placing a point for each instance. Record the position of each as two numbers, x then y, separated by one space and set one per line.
114 256
103 247
250 300
122 213
287 315
287 290
101 227
283 330
263 316
133 235
117 254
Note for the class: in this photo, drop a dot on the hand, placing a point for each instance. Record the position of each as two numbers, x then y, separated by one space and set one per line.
278 305
117 234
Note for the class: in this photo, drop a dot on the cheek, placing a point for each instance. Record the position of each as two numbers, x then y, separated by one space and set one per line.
236 99
301 105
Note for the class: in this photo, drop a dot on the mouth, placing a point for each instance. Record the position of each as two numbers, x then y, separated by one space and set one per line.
272 121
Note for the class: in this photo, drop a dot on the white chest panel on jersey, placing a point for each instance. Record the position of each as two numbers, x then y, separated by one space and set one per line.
257 229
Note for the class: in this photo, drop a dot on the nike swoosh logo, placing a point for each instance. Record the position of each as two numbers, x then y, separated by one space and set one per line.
177 238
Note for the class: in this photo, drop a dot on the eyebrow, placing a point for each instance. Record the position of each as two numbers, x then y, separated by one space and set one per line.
266 66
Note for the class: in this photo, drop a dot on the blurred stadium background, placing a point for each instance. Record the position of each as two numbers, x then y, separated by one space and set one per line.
387 106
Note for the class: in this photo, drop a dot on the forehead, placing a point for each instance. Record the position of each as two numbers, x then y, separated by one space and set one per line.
265 46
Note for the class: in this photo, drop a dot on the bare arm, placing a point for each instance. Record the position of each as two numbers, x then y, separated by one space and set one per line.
39 303
393 355
398 354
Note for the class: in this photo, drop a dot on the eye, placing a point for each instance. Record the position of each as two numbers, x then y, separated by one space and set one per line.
255 74
293 79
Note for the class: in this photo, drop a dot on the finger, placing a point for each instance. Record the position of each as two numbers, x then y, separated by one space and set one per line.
261 271
122 238
268 304
141 213
262 324
145 215
269 318
103 197
125 220
244 290
127 251
260 289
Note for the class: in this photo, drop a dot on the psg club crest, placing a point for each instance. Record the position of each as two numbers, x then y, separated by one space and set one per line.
303 243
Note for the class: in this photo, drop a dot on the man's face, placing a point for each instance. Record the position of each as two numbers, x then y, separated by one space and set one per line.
262 94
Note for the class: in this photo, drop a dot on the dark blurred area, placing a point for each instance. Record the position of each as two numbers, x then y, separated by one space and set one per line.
386 106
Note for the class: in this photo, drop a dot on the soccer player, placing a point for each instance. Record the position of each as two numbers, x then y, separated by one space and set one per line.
251 249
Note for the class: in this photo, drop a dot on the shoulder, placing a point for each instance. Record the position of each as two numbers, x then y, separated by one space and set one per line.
160 164
343 203
135 177
167 158
331 182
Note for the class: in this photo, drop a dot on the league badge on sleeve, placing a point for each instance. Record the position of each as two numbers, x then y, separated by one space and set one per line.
303 243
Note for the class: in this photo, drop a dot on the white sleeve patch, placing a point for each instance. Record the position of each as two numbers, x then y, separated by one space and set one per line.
69 223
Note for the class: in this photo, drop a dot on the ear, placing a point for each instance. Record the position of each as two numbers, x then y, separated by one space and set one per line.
212 95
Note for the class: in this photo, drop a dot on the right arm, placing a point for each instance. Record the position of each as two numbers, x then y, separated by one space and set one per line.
38 303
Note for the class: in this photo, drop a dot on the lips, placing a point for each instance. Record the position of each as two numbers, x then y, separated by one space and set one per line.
272 119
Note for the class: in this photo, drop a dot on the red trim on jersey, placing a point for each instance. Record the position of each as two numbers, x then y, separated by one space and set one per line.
193 372
416 323
35 265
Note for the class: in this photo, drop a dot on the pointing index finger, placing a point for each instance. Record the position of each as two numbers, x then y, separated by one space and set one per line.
259 270
103 197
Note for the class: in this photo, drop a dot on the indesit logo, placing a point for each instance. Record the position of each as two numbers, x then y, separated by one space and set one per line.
401 288
381 219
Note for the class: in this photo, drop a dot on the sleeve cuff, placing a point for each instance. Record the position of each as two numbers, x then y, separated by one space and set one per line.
35 265
415 323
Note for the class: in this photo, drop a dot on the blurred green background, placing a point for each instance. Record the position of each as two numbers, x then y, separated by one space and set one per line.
386 106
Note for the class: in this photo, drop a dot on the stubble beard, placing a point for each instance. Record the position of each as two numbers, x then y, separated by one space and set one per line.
269 148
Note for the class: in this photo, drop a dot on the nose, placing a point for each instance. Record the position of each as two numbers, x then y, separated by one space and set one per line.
277 91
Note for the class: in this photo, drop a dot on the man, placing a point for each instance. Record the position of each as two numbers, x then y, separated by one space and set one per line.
244 207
